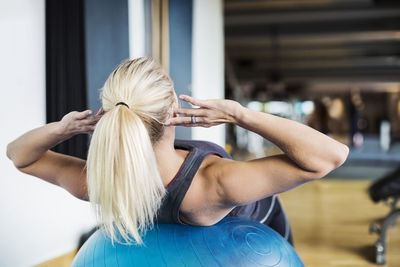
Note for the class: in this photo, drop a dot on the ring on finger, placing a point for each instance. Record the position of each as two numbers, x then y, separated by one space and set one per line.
193 118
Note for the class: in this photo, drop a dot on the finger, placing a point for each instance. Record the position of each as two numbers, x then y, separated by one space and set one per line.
193 101
179 121
90 120
88 129
97 117
199 112
205 125
184 121
100 112
84 114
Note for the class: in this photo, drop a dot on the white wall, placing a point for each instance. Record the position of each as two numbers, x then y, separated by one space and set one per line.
38 221
208 61
136 15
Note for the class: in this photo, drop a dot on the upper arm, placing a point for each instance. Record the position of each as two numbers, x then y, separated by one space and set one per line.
242 182
62 170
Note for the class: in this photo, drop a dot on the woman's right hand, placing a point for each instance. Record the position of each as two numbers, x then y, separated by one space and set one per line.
209 112
76 122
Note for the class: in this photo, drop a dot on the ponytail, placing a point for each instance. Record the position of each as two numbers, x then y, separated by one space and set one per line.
124 183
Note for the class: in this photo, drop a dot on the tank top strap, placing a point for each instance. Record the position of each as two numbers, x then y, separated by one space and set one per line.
176 191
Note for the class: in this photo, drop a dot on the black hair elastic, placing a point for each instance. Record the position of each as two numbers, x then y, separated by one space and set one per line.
122 103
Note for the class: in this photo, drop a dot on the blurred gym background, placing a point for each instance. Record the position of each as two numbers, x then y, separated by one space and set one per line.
331 64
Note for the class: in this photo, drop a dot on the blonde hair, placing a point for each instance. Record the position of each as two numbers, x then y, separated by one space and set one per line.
124 183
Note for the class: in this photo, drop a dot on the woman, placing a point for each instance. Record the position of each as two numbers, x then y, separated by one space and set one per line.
137 172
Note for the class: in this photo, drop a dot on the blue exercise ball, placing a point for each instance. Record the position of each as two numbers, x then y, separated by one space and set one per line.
231 242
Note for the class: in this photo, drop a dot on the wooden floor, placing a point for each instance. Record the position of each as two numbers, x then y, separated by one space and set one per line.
330 221
62 261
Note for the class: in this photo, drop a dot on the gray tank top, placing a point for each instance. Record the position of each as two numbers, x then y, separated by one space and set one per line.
176 190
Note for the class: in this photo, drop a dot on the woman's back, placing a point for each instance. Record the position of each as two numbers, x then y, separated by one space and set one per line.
267 210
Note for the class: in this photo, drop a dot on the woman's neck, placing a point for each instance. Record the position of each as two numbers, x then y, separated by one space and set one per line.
169 159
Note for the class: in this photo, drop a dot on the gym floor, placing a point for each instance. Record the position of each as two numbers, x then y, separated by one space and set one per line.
330 220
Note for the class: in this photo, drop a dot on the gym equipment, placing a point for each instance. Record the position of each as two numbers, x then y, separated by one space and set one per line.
231 242
385 189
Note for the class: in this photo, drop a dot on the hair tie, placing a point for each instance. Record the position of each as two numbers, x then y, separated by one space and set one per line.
122 103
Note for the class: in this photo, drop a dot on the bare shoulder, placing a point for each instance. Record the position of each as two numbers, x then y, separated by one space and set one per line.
238 183
202 202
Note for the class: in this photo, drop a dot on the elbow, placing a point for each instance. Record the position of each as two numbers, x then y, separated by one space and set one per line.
346 152
11 155
9 151
337 160
341 156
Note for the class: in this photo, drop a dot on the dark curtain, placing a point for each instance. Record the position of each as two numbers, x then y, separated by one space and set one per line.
65 67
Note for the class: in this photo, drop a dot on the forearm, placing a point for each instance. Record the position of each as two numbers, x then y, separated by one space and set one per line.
31 146
308 148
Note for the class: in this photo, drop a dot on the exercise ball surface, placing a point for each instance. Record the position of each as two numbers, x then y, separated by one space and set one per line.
231 242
